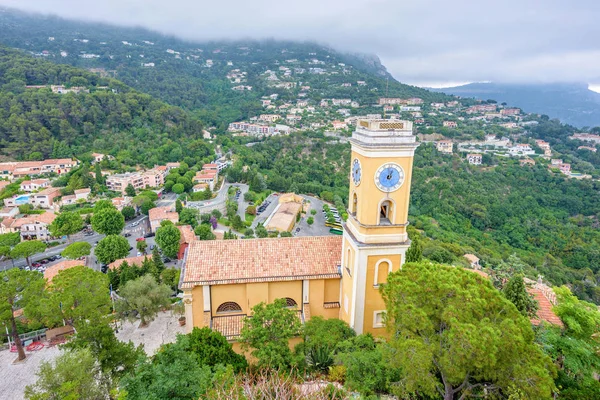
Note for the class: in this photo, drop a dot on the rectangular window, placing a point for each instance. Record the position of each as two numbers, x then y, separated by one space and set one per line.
378 319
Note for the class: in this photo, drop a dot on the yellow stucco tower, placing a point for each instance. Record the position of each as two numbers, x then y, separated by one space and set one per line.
375 238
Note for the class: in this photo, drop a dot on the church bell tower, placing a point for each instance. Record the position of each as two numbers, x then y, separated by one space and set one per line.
375 238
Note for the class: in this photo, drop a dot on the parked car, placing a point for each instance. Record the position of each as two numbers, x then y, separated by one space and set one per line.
35 265
149 234
52 258
130 248
152 247
126 234
58 257
166 259
104 268
139 239
135 223
44 261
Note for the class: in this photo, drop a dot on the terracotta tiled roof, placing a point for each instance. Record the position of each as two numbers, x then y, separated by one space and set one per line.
162 213
45 218
52 271
4 184
79 191
58 161
187 234
216 262
40 181
138 260
49 191
544 312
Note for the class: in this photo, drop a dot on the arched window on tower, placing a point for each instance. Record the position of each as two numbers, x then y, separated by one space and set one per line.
348 263
382 270
229 307
386 209
354 208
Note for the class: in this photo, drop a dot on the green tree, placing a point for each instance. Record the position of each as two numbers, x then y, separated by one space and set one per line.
170 277
75 296
157 260
130 190
204 232
10 239
258 183
285 234
77 250
141 246
216 213
261 231
103 204
178 188
516 292
72 375
142 298
211 348
449 336
19 289
98 174
249 233
415 251
116 358
108 221
147 205
167 238
173 373
310 220
178 206
27 249
128 213
267 333
189 216
111 248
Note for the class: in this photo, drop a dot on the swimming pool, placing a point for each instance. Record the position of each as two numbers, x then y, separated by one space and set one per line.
23 199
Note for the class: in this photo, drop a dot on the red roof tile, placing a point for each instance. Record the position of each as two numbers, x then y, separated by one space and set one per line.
544 312
216 262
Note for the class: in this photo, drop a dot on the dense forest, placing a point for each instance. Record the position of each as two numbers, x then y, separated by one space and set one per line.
36 123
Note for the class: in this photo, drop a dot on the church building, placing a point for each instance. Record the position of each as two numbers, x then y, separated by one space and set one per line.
328 276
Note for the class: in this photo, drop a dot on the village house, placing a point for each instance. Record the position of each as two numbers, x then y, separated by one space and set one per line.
510 111
34 185
31 227
119 182
97 157
68 200
158 214
45 198
155 177
208 177
387 108
474 158
586 137
473 260
449 124
12 170
199 187
437 106
526 161
544 146
131 261
269 117
83 194
508 125
9 212
592 149
565 168
120 202
339 125
521 149
187 237
4 184
445 146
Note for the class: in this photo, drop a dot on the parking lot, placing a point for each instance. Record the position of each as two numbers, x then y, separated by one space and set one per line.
318 227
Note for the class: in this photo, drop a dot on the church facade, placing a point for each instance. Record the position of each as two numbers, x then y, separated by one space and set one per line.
329 276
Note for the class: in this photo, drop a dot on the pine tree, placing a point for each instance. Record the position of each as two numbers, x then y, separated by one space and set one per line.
516 292
415 251
178 206
98 173
157 261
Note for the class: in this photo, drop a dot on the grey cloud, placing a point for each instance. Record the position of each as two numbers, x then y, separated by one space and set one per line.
419 41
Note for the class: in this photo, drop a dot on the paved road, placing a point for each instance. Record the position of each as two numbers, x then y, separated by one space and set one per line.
263 216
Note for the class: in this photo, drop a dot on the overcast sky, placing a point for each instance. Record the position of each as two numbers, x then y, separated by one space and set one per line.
424 42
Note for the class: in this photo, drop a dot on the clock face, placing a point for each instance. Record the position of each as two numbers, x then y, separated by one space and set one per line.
389 177
356 172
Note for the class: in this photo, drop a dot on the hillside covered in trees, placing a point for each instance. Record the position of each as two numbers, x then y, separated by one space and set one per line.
36 123
193 75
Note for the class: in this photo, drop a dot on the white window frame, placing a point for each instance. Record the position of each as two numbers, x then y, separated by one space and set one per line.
375 314
376 275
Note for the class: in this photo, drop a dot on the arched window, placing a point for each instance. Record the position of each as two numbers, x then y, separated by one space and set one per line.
290 303
354 208
386 210
229 307
382 269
